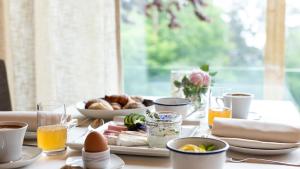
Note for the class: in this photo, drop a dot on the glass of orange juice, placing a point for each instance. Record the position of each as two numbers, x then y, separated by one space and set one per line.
52 131
216 107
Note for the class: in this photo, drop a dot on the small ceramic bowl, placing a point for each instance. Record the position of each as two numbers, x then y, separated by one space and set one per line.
99 160
173 104
197 160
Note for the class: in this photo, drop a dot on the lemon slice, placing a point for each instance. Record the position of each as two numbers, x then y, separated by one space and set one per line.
190 147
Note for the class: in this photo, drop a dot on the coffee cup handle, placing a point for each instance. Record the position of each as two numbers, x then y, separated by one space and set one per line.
218 99
2 144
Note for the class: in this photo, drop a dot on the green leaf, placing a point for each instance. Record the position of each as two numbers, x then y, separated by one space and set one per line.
185 81
204 89
187 91
205 67
213 73
177 83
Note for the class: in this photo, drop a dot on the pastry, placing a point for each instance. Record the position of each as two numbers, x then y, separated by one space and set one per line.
121 99
116 106
87 104
137 99
134 105
100 105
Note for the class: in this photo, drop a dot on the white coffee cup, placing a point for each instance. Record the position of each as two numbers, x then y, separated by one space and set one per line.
11 140
239 102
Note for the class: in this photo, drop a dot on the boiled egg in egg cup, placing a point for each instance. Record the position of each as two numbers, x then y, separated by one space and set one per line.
96 153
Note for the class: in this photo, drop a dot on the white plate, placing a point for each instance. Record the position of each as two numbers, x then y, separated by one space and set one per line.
115 162
29 155
139 150
257 144
77 143
109 114
254 151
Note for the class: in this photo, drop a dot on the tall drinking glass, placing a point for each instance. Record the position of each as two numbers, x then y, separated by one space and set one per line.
216 106
52 131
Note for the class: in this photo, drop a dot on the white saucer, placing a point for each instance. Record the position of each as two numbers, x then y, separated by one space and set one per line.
29 155
254 151
115 162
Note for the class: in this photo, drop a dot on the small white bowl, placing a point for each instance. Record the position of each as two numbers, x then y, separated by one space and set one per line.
197 160
99 160
173 104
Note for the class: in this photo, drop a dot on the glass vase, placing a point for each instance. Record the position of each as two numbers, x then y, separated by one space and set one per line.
200 102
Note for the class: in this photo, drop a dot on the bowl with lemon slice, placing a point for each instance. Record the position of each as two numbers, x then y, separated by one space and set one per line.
197 153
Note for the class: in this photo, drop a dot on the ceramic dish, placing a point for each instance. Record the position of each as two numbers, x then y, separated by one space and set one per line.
115 162
258 144
109 114
29 155
173 104
214 159
254 151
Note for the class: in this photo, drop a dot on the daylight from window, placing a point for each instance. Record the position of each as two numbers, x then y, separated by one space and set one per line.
232 43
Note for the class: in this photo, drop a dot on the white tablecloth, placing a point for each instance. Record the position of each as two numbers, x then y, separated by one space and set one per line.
278 111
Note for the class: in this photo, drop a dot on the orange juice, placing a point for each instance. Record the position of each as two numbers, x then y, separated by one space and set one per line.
218 112
52 137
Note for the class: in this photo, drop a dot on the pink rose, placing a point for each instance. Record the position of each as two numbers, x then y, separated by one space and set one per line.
196 78
206 79
200 78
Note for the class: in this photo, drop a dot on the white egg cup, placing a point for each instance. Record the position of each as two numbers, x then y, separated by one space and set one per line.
97 160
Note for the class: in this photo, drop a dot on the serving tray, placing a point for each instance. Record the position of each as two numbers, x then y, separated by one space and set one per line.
76 142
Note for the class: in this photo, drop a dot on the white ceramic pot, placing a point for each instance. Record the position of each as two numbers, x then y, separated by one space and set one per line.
98 160
197 160
173 104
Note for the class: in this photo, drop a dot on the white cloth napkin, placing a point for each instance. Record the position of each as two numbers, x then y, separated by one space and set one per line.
256 130
29 117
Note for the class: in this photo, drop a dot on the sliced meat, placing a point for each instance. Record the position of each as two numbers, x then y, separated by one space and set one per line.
118 128
111 132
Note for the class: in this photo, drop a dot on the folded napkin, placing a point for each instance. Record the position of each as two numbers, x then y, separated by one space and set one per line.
256 130
29 117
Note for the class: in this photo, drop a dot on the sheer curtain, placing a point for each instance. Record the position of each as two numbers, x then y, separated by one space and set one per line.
60 50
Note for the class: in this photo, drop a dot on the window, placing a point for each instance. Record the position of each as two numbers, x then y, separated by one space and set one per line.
293 48
233 43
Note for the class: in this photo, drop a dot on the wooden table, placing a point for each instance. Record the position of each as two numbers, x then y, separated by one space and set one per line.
277 111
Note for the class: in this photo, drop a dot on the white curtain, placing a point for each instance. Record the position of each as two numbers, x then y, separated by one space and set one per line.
60 50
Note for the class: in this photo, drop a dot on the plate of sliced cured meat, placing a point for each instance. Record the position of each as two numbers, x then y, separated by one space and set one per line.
123 141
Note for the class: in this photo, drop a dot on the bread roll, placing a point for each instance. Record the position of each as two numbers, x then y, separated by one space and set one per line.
133 105
116 106
87 104
101 105
121 99
137 99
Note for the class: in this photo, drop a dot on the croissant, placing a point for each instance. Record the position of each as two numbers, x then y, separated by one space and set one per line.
121 99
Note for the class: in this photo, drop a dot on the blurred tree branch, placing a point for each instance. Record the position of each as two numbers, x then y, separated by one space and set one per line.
170 7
